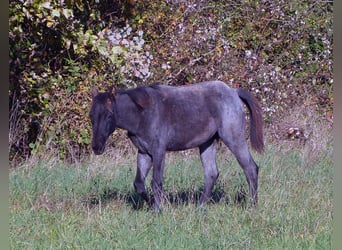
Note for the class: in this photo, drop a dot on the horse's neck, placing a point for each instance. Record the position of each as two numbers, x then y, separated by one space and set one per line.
127 114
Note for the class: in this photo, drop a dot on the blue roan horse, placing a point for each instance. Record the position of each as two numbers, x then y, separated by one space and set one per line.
161 118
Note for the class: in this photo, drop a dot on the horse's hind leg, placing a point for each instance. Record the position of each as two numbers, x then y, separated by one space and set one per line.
238 145
208 158
144 163
251 171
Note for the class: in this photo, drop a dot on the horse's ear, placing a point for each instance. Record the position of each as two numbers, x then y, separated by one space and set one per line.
112 90
108 105
94 91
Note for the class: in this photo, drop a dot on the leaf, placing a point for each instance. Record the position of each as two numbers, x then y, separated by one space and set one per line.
117 50
67 43
67 13
46 5
79 5
49 24
27 13
55 13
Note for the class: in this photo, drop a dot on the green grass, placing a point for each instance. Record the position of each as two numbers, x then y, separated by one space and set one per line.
93 206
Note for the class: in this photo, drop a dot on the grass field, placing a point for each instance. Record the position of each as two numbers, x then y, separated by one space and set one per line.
93 205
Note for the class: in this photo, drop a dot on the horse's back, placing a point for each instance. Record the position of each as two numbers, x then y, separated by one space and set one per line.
202 86
211 98
209 90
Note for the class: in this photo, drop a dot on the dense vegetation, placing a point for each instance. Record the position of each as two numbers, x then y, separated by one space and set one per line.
280 50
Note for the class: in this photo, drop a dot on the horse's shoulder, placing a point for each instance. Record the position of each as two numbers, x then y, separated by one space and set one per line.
139 96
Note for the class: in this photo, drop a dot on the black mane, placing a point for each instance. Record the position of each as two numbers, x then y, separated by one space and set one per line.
155 85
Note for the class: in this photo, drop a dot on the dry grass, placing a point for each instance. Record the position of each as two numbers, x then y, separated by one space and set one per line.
311 133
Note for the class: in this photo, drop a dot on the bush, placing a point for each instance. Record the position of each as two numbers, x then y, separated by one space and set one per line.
60 49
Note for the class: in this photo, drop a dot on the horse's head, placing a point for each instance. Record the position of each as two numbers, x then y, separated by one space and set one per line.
103 120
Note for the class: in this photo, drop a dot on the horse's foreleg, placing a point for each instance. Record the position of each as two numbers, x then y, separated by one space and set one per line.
208 158
157 180
144 163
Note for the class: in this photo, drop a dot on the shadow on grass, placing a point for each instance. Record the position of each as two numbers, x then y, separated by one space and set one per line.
177 198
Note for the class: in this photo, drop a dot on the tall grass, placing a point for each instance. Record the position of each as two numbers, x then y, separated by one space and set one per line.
94 206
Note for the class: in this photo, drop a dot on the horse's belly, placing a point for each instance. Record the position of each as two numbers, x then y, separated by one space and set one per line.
191 137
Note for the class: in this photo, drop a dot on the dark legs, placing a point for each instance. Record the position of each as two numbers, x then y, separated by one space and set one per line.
144 164
208 158
251 171
157 181
242 154
238 145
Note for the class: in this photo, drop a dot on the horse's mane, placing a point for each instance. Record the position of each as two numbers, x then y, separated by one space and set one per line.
140 95
155 86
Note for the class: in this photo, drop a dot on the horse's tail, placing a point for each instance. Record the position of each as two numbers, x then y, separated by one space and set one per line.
255 113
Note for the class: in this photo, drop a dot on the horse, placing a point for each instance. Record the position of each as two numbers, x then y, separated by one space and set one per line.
160 118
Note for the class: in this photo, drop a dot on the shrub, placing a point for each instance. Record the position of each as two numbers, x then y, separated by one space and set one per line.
59 49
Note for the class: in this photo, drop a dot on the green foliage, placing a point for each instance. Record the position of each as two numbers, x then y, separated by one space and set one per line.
56 57
279 50
59 49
